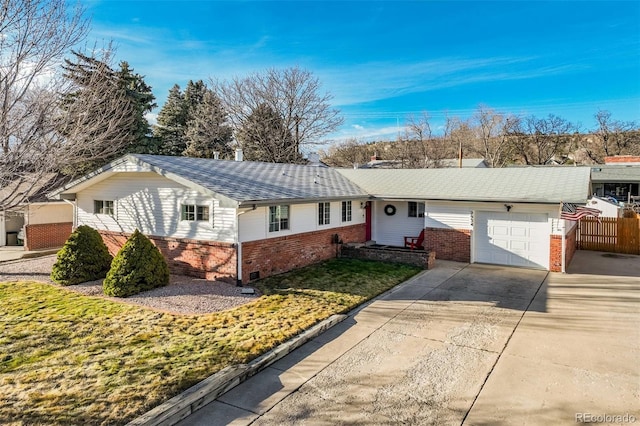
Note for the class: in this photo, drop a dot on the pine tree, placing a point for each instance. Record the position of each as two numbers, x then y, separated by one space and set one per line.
142 97
84 257
137 267
170 129
97 118
264 137
208 131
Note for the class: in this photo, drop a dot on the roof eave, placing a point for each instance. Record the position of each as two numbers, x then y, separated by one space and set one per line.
306 200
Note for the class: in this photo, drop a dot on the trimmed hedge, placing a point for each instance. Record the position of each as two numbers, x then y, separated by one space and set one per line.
137 267
84 257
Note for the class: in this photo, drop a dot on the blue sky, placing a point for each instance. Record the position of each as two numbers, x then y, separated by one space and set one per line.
385 60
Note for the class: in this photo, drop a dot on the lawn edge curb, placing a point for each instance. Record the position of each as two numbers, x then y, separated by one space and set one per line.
206 391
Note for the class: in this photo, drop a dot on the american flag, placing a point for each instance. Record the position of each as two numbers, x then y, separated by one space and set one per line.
575 212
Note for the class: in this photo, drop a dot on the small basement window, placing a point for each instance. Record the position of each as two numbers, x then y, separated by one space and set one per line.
191 212
103 207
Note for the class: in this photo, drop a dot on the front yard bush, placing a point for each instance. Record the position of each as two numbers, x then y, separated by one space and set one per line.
84 257
137 267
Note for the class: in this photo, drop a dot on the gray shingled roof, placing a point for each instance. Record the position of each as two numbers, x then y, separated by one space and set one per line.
245 182
522 184
609 173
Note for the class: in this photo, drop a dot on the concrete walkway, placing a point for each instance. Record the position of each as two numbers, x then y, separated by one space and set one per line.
463 344
10 253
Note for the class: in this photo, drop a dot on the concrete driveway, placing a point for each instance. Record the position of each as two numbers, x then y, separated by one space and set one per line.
462 344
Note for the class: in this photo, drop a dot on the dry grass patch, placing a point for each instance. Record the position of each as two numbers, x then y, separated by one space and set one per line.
72 359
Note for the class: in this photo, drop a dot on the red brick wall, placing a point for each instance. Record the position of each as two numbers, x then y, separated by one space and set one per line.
449 244
621 159
555 252
203 259
281 254
47 235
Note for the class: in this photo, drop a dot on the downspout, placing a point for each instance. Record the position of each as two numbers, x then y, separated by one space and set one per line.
74 223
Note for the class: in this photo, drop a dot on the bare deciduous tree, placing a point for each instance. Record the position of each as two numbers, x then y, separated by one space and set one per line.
612 137
493 131
350 153
34 36
97 119
293 93
539 140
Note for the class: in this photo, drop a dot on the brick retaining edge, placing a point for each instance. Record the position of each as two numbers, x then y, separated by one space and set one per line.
201 394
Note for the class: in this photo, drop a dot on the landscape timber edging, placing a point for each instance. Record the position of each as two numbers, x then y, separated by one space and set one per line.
206 391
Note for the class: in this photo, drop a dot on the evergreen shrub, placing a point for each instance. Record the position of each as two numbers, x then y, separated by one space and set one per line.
84 257
137 267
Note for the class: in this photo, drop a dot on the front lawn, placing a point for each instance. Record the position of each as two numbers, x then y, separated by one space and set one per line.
72 359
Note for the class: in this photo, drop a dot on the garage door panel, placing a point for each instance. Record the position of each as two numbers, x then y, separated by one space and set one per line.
512 239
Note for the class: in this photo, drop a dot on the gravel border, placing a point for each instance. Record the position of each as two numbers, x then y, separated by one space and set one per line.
184 295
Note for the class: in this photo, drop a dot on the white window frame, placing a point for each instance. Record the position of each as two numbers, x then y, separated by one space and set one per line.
198 211
346 211
419 210
104 208
324 213
277 225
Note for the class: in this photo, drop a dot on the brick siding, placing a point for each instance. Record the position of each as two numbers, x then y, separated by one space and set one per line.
281 254
449 244
202 259
555 250
47 235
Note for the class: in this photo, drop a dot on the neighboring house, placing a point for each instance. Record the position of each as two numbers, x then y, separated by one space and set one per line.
34 221
507 216
377 163
247 220
608 208
466 162
234 220
621 181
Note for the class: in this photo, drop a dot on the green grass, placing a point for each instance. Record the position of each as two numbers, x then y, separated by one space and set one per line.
72 359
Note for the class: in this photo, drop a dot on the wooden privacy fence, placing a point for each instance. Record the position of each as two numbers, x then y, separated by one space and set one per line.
610 234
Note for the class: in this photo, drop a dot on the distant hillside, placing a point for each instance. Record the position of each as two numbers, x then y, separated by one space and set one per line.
498 151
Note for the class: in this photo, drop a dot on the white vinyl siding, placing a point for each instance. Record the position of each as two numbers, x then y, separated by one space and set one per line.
254 224
151 203
448 216
391 230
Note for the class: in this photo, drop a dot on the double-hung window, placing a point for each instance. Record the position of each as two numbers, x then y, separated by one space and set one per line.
324 213
192 213
103 207
278 218
346 211
416 209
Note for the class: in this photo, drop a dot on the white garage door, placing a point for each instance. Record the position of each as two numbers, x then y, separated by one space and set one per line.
515 239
